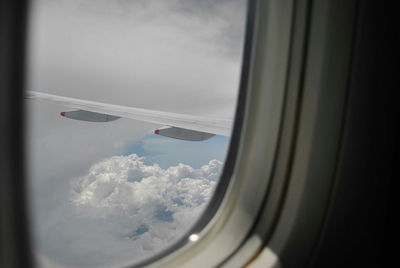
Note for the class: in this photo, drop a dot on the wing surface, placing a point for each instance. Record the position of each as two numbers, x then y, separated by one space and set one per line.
190 122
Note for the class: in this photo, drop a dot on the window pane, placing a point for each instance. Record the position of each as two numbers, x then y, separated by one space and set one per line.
111 193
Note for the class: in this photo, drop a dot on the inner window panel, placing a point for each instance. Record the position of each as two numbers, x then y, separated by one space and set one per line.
114 192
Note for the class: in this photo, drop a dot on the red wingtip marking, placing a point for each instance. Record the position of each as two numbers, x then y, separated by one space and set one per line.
62 113
157 131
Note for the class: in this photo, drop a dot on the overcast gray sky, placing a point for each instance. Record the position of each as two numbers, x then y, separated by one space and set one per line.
106 194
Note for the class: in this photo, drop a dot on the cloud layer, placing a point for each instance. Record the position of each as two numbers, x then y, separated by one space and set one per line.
145 53
124 204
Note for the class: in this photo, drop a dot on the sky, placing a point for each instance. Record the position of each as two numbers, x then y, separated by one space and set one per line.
109 194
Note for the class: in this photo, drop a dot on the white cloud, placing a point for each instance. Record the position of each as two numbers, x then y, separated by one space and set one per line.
124 204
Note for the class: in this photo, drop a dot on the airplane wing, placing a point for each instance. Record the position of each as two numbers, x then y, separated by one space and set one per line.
180 126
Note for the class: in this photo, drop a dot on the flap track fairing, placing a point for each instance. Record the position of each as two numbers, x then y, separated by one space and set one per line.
89 116
183 134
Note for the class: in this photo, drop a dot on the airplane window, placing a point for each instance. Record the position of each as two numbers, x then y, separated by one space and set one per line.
130 106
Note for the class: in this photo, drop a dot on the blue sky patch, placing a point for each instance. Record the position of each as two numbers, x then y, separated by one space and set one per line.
168 152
